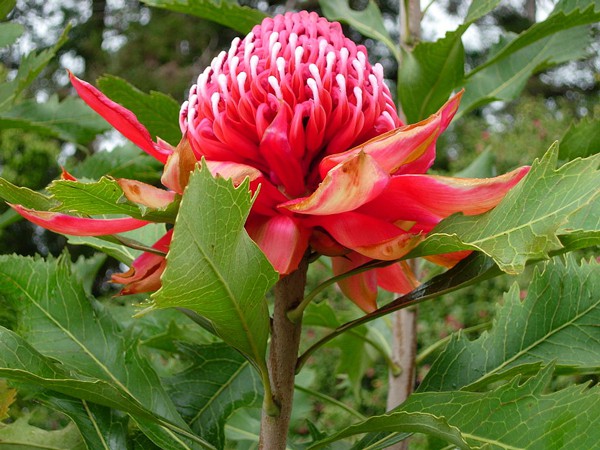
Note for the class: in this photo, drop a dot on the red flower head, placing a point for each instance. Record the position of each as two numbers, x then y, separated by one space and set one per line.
297 107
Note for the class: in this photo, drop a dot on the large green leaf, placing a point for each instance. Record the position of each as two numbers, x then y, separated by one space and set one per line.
506 77
516 415
525 223
215 269
225 12
368 21
218 382
581 139
25 196
71 120
104 196
158 112
99 361
555 323
429 74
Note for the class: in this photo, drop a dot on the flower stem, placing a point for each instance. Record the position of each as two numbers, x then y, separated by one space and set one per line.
283 356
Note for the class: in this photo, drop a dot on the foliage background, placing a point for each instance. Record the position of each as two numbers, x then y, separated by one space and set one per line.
159 50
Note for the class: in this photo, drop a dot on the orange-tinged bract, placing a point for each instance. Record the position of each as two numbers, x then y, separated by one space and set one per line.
298 109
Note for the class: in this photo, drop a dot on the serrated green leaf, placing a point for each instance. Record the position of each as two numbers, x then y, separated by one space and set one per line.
226 12
146 235
556 322
506 77
518 415
99 361
568 6
429 74
209 234
158 112
23 436
525 224
368 21
581 139
24 196
218 382
9 33
104 196
100 427
413 422
70 120
123 162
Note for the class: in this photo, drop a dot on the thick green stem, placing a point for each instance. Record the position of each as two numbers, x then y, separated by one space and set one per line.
283 356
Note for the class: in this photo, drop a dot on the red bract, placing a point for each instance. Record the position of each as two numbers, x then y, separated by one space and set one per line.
297 107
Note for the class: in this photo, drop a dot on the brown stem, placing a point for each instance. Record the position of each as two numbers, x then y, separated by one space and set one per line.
283 356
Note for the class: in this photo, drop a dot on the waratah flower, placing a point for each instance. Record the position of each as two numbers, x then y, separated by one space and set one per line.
298 108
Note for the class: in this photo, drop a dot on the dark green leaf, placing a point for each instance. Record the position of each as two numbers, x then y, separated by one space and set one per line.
525 224
581 139
429 74
9 33
70 120
368 21
99 361
225 12
209 234
6 6
101 428
158 112
104 196
218 382
556 322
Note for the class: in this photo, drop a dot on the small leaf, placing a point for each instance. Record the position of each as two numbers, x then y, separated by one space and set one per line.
524 226
581 139
102 197
480 8
70 120
158 112
209 234
413 422
147 235
226 12
9 33
369 21
218 382
555 323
